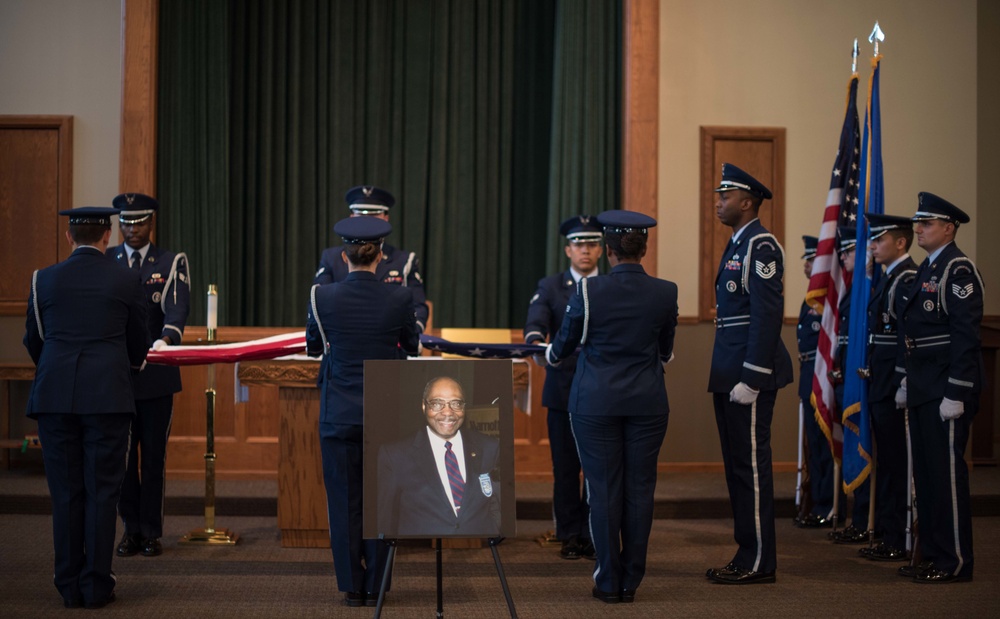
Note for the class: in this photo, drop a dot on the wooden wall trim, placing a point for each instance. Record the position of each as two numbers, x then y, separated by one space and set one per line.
140 29
640 111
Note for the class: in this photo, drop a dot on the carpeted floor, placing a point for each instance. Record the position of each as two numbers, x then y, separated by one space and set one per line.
259 578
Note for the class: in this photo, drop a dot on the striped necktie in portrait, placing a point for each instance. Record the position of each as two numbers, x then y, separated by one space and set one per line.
454 475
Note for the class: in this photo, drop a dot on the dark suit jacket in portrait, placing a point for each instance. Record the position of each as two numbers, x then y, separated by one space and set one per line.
413 503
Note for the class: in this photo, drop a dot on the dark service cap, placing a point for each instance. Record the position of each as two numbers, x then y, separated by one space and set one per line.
735 178
848 238
880 223
811 243
619 221
581 229
931 206
94 215
361 230
135 207
369 200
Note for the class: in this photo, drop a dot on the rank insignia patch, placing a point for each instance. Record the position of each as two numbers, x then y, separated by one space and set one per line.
766 271
962 292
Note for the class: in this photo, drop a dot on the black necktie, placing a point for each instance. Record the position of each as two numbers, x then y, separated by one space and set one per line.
136 261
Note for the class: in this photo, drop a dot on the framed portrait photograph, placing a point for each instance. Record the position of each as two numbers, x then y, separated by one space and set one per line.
439 449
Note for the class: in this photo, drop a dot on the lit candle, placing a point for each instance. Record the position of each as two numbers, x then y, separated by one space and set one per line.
213 308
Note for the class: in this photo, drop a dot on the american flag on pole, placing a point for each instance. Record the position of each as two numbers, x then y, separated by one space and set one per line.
828 283
856 416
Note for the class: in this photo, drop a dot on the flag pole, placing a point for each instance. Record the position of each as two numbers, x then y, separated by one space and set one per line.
798 477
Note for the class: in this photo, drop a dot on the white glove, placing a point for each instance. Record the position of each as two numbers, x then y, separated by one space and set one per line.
667 362
743 394
539 360
951 409
160 344
901 395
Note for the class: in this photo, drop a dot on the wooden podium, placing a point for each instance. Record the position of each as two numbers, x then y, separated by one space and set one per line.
301 494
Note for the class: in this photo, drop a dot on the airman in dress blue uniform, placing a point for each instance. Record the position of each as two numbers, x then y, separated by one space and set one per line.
624 323
398 266
348 322
749 365
820 463
857 531
889 239
545 316
86 333
942 359
166 286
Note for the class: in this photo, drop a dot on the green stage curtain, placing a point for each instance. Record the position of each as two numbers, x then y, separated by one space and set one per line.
270 111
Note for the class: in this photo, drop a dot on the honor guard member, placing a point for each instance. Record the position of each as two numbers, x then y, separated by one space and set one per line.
86 333
857 531
889 239
939 327
820 464
624 323
545 316
348 322
166 286
749 365
398 266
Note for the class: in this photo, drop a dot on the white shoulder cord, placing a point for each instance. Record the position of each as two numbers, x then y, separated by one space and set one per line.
171 279
942 290
322 334
586 309
34 299
747 261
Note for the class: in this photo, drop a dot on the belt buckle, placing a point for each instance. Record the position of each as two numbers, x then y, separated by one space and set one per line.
910 343
864 373
718 323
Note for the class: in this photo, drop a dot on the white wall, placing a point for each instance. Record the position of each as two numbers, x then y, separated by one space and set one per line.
786 63
64 57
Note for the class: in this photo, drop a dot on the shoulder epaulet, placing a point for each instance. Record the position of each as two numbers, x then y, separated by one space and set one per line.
764 240
961 265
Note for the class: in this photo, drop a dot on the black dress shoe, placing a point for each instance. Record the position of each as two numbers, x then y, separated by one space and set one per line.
587 550
939 577
740 576
354 599
371 599
605 596
571 549
812 521
129 546
883 552
151 547
911 571
73 602
850 535
627 596
92 605
730 568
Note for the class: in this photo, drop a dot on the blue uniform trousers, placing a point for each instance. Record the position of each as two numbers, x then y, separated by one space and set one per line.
359 563
889 429
619 455
820 464
745 436
84 464
141 503
942 479
569 501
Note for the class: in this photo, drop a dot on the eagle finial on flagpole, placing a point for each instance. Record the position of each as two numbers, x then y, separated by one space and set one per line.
876 36
854 57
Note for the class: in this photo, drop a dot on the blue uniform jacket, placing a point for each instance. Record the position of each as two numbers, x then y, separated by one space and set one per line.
883 338
625 323
807 337
360 318
93 334
939 330
398 267
412 501
545 316
749 309
167 287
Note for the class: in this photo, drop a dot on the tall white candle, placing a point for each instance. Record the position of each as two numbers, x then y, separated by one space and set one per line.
213 307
